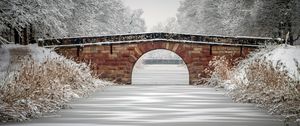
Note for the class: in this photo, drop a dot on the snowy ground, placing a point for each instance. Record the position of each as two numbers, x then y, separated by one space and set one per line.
167 105
287 55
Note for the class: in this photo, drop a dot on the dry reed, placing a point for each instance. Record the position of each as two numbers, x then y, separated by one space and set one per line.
45 87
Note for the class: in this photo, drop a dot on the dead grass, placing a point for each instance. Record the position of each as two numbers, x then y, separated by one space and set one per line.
39 88
219 70
257 80
270 87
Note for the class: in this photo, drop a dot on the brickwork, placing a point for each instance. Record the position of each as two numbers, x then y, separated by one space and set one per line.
115 62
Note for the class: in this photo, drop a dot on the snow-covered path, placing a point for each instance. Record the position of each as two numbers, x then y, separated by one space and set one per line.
170 105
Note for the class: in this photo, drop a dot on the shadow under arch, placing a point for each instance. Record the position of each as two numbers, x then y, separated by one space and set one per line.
140 58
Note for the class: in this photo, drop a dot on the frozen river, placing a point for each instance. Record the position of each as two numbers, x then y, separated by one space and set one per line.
151 105
160 74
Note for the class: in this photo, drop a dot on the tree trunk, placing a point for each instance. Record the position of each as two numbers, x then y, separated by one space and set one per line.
16 36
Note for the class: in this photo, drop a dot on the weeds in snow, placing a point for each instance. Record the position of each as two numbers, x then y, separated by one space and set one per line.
45 87
260 81
270 87
219 70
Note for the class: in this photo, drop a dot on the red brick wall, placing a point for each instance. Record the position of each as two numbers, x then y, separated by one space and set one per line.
116 62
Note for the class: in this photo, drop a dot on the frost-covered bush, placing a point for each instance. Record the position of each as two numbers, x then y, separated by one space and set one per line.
269 77
219 70
43 86
270 87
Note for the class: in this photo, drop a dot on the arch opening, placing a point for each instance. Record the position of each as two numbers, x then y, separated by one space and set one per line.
160 67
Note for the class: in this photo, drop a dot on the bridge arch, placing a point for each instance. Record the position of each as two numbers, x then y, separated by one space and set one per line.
185 66
195 56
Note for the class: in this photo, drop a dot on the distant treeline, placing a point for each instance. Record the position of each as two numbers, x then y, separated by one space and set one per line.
162 61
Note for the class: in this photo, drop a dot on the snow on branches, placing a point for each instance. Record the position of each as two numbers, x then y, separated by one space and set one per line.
65 18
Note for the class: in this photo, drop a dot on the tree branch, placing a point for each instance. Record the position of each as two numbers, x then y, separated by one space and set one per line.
4 41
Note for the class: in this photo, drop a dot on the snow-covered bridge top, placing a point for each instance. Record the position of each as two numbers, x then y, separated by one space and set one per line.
146 37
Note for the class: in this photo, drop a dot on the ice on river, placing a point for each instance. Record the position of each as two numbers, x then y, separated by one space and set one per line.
160 74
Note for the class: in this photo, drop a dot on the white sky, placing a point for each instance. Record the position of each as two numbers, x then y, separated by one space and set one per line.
155 11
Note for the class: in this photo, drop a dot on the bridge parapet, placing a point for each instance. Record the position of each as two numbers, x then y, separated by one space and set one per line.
117 39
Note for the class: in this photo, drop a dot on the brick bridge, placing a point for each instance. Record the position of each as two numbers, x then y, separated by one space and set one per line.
113 57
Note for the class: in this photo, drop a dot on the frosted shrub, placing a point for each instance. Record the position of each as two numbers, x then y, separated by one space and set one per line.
269 86
218 71
45 87
262 78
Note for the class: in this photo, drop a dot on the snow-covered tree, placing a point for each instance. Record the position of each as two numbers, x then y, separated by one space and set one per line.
170 25
135 23
236 17
264 18
278 17
46 16
190 16
65 18
213 16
